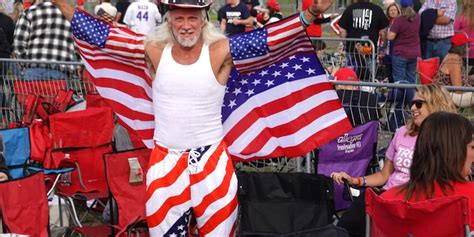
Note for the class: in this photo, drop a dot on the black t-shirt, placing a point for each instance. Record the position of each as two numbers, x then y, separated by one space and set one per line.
363 19
250 5
122 7
6 35
8 26
229 13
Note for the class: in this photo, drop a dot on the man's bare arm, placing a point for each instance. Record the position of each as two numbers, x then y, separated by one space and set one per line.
222 25
343 33
65 7
246 21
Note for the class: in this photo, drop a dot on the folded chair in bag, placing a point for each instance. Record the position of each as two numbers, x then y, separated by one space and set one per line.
45 88
24 205
350 153
427 69
283 203
447 216
126 180
92 127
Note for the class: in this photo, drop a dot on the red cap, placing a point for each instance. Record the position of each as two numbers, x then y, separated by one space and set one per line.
345 74
273 4
459 39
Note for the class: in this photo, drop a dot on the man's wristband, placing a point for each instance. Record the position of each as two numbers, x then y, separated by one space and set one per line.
312 13
303 19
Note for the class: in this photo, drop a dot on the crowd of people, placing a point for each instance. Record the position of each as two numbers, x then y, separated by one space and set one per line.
430 156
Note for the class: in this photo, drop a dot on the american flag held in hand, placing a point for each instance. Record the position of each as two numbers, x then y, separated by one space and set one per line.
288 115
114 58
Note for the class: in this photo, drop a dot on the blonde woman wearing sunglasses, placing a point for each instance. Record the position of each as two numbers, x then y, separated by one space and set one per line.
427 100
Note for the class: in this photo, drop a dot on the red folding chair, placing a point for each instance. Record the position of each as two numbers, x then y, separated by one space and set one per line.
449 216
81 138
427 69
24 205
126 180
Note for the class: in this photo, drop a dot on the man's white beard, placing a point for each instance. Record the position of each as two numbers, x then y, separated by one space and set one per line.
188 43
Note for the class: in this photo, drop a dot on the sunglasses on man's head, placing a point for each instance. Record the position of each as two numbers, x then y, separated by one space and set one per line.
418 103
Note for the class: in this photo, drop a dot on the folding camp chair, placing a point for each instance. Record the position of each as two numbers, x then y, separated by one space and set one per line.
427 69
16 145
447 216
126 180
279 204
350 153
24 205
81 139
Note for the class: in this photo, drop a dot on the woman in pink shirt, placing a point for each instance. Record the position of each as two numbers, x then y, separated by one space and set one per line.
428 99
442 161
465 22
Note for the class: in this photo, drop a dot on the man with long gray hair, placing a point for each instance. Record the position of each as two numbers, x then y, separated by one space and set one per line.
189 62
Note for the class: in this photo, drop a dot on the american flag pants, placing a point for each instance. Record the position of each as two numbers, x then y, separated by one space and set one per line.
199 181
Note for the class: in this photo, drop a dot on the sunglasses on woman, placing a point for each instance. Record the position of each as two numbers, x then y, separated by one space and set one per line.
418 103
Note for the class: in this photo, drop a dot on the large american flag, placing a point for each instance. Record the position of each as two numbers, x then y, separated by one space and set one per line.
115 60
280 105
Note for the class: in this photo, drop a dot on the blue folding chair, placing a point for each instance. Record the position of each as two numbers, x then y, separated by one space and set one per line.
16 150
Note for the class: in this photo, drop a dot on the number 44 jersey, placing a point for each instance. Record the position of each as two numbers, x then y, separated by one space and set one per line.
142 16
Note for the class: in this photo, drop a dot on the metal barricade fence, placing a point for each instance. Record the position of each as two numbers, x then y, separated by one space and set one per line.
364 101
358 54
21 78
389 103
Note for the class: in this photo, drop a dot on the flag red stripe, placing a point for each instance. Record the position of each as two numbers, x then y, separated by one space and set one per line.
317 139
170 178
219 217
274 107
208 168
118 56
157 218
294 43
124 110
129 88
157 156
290 38
286 29
290 127
275 25
107 62
221 191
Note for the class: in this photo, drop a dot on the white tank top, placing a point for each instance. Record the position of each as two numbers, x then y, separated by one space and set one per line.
187 100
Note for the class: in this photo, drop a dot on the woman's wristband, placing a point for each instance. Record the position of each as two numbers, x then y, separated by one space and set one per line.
358 182
364 182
